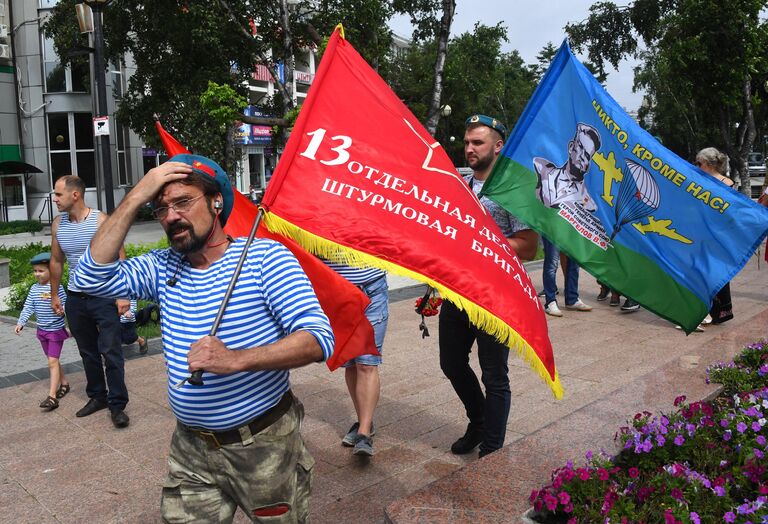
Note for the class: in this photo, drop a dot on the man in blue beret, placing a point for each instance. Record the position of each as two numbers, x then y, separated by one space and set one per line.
237 441
487 412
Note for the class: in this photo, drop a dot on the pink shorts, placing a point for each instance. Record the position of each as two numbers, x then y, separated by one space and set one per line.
52 341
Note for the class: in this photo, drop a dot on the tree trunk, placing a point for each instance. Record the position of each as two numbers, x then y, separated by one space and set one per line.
747 133
285 24
433 115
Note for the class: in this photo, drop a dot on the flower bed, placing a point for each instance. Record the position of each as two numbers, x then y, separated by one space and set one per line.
705 462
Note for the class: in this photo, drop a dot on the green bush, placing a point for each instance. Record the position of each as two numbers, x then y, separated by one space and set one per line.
20 256
20 226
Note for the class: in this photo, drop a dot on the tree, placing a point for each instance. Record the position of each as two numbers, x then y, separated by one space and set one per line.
479 78
424 17
193 60
703 68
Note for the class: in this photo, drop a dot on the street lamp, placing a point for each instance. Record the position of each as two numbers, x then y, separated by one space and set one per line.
99 72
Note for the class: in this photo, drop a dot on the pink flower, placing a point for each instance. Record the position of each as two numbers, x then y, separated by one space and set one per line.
676 494
583 474
602 474
550 501
634 473
564 497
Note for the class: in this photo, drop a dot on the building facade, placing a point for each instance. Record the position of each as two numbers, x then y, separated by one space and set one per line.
46 118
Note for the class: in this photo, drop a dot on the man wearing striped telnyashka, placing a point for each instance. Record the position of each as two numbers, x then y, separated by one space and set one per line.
237 440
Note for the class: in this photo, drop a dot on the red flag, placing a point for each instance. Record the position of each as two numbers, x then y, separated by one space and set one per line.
171 145
343 302
361 177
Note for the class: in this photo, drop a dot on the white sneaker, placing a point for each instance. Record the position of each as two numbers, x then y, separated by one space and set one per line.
552 309
579 306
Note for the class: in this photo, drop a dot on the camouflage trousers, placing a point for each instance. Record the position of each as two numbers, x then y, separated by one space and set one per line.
267 475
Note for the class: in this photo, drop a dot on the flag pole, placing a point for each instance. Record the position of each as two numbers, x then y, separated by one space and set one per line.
196 379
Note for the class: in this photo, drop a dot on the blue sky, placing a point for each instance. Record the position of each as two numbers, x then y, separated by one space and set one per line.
530 25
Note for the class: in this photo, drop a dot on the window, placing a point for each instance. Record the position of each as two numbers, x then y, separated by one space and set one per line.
70 138
61 79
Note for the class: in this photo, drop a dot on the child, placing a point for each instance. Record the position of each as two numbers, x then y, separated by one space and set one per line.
128 333
50 327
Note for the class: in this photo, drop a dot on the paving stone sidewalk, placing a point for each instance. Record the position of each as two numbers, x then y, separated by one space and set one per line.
55 467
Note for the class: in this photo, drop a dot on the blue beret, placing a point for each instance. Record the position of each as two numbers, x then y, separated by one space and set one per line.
41 258
488 121
208 167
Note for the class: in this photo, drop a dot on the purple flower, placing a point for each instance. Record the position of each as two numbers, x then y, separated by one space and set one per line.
761 440
679 440
756 426
724 423
729 517
741 427
719 491
695 518
727 435
660 441
759 454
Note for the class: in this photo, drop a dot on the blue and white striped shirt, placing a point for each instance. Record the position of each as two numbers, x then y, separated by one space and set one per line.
273 298
74 237
39 302
355 275
130 315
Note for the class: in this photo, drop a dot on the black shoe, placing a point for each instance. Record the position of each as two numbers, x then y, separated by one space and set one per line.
630 306
604 292
615 300
471 439
144 347
91 407
119 418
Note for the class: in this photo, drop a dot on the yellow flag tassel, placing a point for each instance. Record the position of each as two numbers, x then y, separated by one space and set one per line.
477 315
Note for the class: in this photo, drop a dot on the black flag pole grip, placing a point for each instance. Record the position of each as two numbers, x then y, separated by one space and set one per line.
196 379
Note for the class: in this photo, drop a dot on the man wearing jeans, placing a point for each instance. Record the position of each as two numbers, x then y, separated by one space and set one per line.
94 321
549 277
487 412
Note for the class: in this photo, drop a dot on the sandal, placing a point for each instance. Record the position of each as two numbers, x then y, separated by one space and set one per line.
49 404
62 391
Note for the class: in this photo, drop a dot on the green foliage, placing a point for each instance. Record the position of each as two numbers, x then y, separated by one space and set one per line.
223 104
20 256
747 372
20 226
703 68
21 271
478 78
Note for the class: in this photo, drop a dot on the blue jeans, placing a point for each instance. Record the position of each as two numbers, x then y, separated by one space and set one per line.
489 410
95 324
549 275
377 314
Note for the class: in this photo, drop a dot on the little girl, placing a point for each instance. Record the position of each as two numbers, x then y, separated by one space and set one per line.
50 327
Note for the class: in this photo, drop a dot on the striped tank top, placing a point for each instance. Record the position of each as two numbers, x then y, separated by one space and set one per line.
74 237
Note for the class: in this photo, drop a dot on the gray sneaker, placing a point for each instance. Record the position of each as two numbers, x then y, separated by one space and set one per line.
352 436
363 446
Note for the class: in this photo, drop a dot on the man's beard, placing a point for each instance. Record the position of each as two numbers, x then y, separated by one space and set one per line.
189 244
483 162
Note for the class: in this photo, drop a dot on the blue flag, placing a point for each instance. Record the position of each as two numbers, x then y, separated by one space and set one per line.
645 222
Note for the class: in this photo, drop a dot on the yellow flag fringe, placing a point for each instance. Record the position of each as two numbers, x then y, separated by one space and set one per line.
477 315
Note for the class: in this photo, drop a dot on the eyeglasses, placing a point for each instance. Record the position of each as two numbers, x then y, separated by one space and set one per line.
181 206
